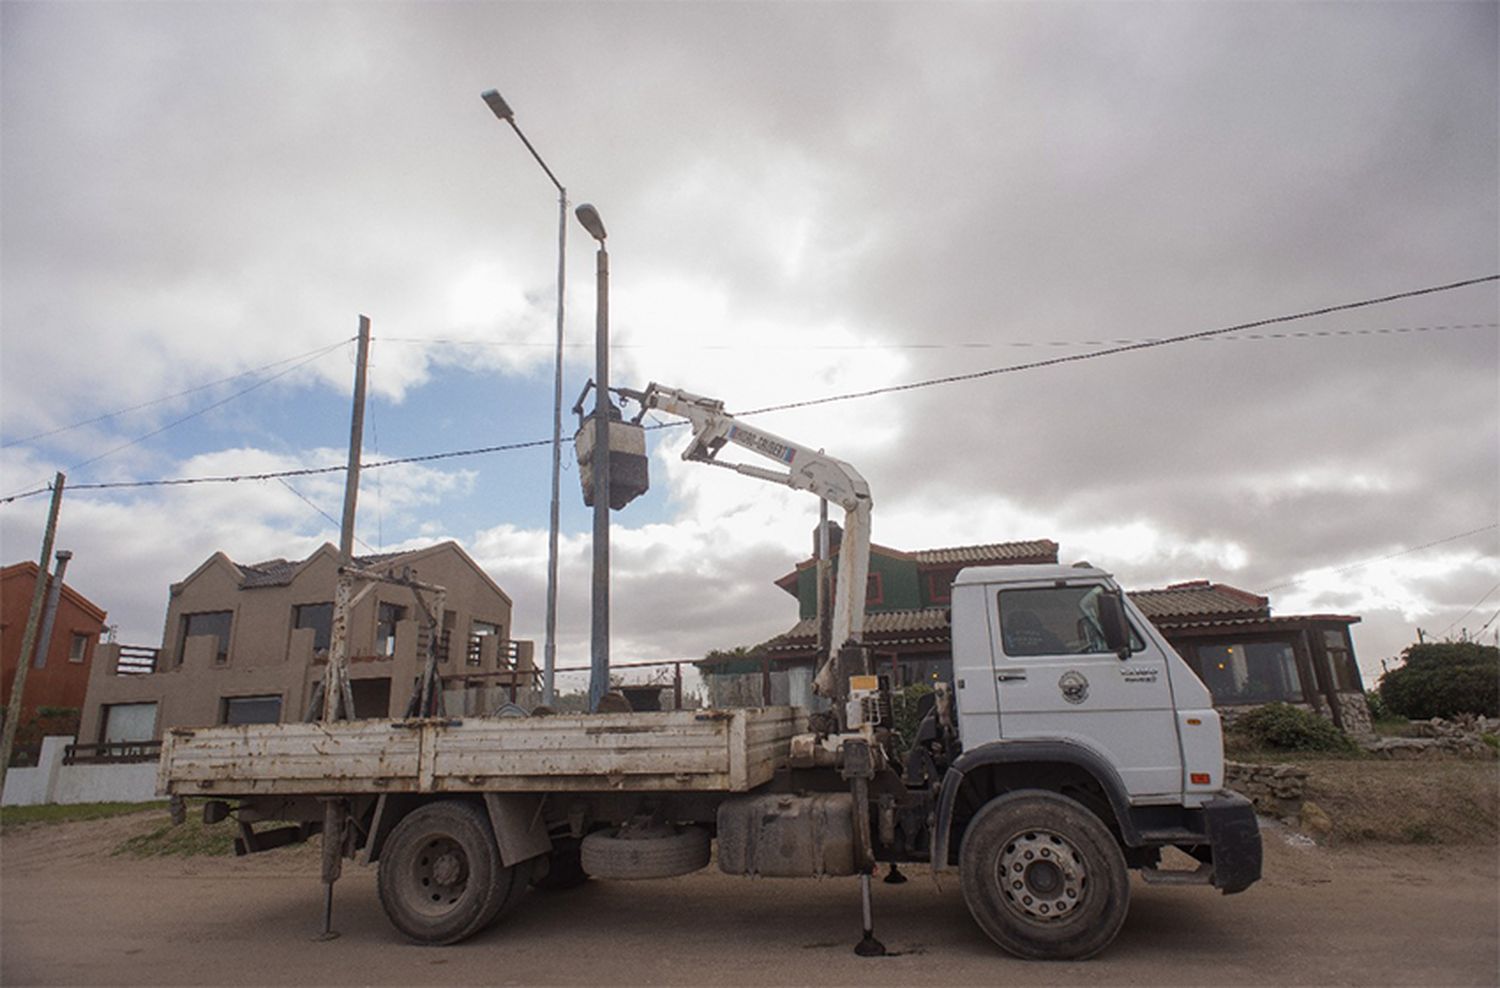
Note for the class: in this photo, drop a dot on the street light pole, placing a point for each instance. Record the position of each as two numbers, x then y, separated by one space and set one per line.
502 110
599 626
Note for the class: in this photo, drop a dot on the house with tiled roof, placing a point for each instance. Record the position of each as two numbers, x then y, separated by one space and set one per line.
248 643
1228 636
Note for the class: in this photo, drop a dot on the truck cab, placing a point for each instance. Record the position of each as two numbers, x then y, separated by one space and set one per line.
1082 745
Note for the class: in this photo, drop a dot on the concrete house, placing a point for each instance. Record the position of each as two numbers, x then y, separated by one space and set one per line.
1244 655
247 643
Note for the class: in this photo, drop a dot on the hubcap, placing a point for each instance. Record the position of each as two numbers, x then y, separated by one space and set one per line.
442 873
1042 875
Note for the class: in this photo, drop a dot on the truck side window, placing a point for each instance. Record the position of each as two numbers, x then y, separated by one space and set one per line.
1053 621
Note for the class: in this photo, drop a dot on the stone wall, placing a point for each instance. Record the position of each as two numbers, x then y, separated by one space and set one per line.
1276 790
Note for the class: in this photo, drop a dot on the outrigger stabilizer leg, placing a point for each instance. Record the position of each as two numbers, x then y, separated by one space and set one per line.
868 946
333 861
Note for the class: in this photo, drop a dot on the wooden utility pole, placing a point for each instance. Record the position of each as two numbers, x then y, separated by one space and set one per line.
28 641
336 686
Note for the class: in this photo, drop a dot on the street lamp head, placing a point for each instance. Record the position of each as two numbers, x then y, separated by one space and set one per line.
589 217
498 105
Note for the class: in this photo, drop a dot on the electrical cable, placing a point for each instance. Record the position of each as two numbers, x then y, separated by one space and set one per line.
828 399
311 504
1015 344
1487 594
164 398
1367 562
316 354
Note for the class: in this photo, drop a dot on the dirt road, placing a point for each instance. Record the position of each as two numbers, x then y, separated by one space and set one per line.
72 914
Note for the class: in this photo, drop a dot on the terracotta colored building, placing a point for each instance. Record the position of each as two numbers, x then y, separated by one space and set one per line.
61 678
1244 655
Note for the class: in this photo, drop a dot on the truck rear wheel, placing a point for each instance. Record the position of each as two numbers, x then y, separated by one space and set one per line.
1043 876
440 878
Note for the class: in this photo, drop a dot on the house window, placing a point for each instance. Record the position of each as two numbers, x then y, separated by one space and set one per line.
940 587
215 623
250 710
127 722
78 649
1342 672
479 630
318 617
874 590
387 617
1250 672
372 698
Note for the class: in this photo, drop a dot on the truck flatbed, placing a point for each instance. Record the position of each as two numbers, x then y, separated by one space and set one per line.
671 751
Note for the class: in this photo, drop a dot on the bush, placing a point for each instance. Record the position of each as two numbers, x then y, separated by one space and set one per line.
904 710
1378 709
1289 728
1444 679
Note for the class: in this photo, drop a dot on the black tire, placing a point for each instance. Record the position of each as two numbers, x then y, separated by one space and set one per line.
605 854
440 878
564 867
1043 876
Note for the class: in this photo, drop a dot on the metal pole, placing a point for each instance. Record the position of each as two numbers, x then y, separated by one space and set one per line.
599 652
28 640
549 645
825 614
49 614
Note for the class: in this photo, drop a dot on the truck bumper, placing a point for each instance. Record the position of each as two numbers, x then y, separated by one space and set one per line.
1234 836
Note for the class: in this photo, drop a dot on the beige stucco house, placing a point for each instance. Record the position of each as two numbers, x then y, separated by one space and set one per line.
247 643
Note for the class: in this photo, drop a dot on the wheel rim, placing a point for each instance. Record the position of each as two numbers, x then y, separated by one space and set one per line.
1042 876
440 876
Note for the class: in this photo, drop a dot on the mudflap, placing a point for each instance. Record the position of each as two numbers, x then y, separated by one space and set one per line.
1234 836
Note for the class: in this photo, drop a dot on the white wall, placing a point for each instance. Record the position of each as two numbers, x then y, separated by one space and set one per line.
53 782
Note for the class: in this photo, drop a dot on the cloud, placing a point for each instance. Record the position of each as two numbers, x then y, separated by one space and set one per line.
803 200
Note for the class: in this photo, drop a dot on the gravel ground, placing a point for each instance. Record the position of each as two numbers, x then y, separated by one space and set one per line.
71 913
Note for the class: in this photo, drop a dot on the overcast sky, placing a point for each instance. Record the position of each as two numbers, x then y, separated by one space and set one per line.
802 200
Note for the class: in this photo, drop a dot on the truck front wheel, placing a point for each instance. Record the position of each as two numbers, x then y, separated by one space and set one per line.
1043 876
440 879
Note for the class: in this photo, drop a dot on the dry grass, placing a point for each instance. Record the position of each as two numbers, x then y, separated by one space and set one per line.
1447 801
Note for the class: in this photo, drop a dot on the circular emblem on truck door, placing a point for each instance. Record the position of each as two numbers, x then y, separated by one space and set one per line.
1074 686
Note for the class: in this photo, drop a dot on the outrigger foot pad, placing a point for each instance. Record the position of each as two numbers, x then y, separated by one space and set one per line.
870 947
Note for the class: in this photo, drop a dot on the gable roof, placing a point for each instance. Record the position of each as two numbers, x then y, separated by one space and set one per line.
280 572
28 569
988 553
1200 600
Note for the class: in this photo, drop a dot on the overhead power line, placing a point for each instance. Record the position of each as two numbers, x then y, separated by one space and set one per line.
1127 348
314 355
992 345
1487 595
166 398
827 399
1380 559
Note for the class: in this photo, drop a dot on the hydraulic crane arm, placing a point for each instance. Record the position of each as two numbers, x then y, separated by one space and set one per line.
805 469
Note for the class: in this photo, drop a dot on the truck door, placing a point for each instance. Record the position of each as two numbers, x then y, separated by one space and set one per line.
1056 678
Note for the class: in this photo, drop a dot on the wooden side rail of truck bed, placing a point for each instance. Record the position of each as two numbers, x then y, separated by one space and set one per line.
671 751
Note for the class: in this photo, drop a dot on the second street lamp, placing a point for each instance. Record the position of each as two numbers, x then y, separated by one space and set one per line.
599 625
502 110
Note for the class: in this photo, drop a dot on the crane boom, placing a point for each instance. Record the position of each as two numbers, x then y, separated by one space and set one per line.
805 469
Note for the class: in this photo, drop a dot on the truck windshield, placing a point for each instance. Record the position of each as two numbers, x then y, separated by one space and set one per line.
1054 621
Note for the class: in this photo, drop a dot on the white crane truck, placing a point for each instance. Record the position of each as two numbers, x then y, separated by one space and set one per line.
1072 745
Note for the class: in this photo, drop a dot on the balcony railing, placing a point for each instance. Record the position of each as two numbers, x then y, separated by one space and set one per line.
112 753
137 660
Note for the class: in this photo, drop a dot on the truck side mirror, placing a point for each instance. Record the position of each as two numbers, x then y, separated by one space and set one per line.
1113 623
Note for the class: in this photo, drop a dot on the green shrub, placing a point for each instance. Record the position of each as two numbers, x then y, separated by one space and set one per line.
904 710
1289 728
1378 709
1444 679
